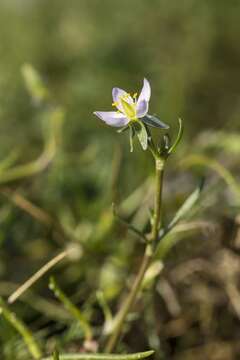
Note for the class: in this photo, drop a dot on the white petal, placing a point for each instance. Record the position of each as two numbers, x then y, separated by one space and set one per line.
142 108
117 93
112 118
145 92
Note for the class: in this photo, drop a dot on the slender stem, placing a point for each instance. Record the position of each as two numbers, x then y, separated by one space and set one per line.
146 261
25 286
124 310
156 221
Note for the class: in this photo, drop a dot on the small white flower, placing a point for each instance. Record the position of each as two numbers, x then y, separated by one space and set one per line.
129 108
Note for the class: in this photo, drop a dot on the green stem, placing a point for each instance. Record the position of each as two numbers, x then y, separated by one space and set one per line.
130 300
156 221
146 261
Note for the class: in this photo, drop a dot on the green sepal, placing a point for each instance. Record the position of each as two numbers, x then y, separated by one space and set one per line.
142 134
154 122
131 136
124 128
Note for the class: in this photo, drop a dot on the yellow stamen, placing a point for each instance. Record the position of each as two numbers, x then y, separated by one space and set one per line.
125 97
129 108
128 104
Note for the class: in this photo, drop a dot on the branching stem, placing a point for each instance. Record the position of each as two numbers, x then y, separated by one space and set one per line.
146 260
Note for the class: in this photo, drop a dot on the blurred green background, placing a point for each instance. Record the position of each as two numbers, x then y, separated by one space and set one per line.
189 51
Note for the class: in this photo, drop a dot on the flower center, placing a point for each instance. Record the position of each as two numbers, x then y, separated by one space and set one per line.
128 104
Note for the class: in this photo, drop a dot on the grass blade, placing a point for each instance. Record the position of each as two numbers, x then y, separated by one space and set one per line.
180 215
136 356
22 329
76 313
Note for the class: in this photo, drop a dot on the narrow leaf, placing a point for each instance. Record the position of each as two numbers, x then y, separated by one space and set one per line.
166 241
136 356
178 139
154 122
187 205
22 329
222 171
75 312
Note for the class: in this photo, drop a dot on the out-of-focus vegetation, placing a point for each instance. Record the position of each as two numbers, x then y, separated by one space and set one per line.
189 50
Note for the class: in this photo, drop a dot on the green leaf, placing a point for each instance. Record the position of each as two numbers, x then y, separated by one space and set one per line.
142 135
74 311
22 329
183 210
154 122
136 356
178 139
166 241
187 205
222 171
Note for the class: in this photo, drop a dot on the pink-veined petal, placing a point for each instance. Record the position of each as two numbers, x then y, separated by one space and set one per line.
145 93
142 108
112 118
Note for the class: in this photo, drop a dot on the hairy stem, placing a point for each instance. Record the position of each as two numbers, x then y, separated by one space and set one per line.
146 261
